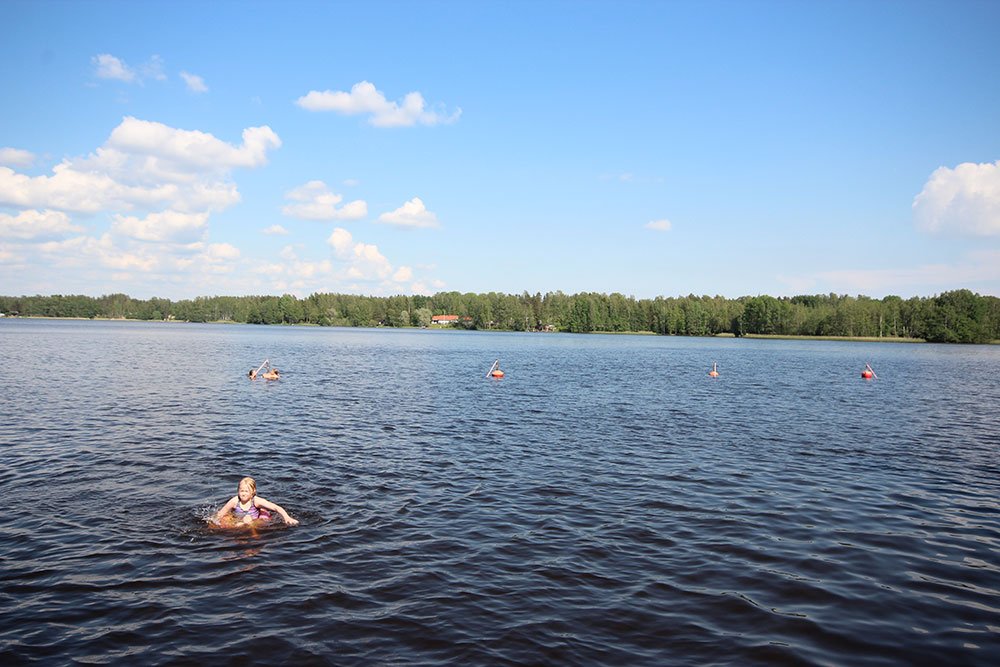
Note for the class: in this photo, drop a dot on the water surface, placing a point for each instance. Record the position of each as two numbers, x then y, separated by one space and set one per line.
605 503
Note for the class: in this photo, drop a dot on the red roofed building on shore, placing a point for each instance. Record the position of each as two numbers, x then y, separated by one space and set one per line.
444 319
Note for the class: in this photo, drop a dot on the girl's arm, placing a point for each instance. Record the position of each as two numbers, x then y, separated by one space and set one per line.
227 508
267 504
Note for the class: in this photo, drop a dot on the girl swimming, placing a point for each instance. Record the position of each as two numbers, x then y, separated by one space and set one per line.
246 507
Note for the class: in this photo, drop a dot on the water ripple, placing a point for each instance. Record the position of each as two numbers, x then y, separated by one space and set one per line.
605 503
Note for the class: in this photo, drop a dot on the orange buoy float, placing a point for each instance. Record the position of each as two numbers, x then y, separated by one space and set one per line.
495 371
714 372
868 373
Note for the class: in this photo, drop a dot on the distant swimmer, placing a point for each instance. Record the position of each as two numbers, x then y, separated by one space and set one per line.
247 508
253 373
271 374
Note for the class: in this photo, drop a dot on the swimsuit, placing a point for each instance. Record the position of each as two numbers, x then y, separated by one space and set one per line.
253 511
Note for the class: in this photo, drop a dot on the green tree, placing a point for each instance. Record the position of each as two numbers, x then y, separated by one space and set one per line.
422 317
958 317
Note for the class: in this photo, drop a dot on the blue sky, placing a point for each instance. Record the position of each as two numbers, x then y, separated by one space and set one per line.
178 149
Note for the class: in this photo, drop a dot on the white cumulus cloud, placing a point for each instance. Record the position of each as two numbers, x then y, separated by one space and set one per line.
36 225
340 240
83 251
107 66
143 165
67 189
15 157
369 263
662 225
156 185
360 264
364 98
411 214
172 226
194 82
303 270
221 252
275 230
963 200
364 261
192 149
270 269
314 201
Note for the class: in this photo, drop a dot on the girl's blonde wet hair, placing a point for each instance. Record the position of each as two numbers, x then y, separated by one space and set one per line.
252 484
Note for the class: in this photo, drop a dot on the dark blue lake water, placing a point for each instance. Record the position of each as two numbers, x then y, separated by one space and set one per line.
605 503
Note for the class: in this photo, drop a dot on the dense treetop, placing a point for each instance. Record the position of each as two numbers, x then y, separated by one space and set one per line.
959 316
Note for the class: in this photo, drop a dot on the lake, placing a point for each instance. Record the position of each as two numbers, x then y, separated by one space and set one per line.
605 503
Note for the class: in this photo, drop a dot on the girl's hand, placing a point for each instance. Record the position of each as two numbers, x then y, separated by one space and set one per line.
291 522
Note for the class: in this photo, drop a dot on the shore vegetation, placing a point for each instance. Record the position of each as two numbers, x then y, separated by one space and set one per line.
959 316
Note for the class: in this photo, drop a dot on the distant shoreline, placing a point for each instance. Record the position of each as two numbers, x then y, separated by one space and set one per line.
959 316
852 339
859 339
433 327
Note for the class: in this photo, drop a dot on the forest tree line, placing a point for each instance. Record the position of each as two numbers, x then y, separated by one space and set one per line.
959 316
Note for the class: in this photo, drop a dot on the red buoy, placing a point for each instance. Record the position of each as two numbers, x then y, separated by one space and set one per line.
867 374
497 373
713 373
